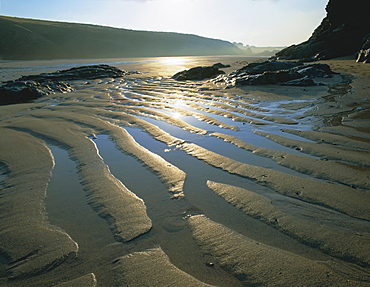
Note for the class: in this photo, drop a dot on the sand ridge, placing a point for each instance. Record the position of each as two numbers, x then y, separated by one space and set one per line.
327 152
350 175
26 237
256 263
107 195
342 198
323 236
87 280
152 268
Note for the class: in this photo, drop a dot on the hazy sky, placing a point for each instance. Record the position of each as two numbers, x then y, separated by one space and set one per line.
253 22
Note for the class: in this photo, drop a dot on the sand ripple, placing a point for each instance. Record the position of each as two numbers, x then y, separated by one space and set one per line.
256 263
152 268
26 237
251 187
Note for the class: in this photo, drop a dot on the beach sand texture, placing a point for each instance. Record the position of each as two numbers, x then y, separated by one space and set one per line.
147 181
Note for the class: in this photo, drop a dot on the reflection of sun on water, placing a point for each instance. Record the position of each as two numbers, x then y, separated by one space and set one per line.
173 65
174 60
176 115
178 103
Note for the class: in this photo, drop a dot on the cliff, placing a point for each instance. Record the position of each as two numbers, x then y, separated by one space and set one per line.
342 32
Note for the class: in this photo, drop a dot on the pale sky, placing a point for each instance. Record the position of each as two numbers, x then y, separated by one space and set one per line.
252 22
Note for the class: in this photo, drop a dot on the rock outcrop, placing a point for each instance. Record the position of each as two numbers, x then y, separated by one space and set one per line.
274 72
341 33
28 88
364 54
199 73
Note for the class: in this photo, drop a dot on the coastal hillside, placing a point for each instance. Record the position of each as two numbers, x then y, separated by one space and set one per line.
27 39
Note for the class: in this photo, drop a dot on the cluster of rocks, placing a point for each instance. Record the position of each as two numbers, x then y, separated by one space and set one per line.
274 72
263 73
200 73
20 91
28 88
344 31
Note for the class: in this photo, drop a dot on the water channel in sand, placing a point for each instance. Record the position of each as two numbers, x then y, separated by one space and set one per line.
188 113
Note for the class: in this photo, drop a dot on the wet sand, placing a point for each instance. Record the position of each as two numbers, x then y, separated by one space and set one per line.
148 181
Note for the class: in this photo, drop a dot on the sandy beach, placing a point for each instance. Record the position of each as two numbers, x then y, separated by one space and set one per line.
147 181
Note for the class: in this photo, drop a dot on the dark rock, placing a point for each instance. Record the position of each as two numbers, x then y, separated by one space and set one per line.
364 54
259 68
274 72
340 33
78 73
198 73
315 71
268 78
220 65
20 91
28 88
301 82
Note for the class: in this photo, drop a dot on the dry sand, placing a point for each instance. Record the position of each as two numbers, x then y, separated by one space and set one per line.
186 183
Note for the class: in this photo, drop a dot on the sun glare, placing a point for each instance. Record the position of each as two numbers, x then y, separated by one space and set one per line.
179 103
174 60
176 115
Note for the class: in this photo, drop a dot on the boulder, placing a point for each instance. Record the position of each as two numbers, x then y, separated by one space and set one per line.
198 73
364 53
28 88
22 91
261 67
220 65
315 70
267 78
301 82
340 33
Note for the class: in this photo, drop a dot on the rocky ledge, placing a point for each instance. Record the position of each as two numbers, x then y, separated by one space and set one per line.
276 72
28 88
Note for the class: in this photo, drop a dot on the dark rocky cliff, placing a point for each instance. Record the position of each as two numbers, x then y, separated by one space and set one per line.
342 32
